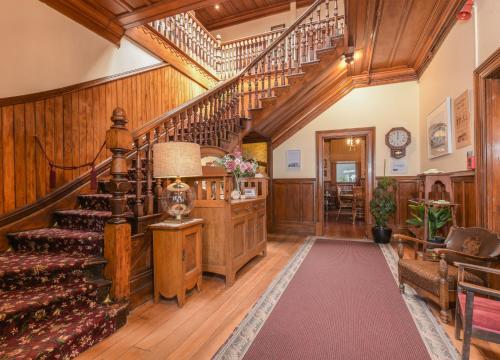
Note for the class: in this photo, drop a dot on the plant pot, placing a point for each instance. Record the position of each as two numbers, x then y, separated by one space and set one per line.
437 240
381 234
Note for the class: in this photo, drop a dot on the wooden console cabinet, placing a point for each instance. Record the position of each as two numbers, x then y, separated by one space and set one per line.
234 233
177 258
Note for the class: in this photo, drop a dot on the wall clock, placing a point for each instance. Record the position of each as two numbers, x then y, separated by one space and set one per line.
397 139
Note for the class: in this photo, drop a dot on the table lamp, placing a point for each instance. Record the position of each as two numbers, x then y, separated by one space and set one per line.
177 160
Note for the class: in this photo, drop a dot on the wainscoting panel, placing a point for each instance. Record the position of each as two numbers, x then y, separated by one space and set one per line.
464 190
294 205
71 124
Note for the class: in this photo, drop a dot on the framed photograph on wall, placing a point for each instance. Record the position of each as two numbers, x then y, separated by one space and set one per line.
439 130
461 121
293 160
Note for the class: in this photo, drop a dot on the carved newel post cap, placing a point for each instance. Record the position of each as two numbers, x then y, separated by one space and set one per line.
119 117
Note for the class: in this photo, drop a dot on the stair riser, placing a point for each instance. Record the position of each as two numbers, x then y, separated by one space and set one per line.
102 204
78 222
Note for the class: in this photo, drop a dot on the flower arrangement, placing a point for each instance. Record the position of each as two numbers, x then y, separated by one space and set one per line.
239 165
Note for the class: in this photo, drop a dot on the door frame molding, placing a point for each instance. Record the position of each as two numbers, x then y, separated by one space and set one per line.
321 136
483 75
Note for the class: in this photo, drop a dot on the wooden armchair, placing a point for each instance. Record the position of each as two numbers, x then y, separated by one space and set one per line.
478 316
437 280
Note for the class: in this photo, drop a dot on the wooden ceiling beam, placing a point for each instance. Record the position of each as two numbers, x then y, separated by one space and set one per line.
161 9
250 15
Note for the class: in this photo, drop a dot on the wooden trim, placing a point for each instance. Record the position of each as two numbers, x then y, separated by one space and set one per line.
13 100
370 137
253 14
485 71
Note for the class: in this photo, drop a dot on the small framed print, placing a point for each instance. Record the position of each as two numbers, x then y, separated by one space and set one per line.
293 160
250 192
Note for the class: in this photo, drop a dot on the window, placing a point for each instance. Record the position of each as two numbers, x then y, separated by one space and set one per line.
346 171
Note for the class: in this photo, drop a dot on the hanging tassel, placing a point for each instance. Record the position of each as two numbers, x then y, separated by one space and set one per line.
52 181
93 178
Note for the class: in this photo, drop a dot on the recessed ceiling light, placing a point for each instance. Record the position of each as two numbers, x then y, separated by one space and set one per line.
217 6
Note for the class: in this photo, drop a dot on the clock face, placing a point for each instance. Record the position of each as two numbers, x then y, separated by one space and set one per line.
398 138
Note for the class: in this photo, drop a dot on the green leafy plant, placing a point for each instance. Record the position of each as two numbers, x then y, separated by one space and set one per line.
383 204
438 218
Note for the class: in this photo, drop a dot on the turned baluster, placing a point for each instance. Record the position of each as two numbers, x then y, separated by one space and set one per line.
195 134
242 96
167 130
283 57
256 79
289 51
269 74
138 203
250 89
275 63
303 45
183 117
263 77
335 18
296 42
158 182
149 200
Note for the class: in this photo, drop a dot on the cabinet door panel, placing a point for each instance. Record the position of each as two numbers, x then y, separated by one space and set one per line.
260 227
250 229
189 252
238 238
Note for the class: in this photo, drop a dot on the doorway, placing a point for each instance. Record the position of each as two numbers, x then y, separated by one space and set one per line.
345 180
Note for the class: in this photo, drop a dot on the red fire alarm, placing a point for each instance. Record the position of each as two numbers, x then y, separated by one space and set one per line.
471 160
466 12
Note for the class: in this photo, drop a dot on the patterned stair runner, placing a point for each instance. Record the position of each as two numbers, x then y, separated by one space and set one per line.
52 286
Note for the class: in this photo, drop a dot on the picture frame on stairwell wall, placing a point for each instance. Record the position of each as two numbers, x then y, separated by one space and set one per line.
439 130
293 160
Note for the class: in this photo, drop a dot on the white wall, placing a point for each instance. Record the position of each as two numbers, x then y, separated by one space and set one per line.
450 73
384 107
258 26
43 49
488 27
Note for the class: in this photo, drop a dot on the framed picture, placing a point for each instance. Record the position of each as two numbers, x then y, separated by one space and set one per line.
293 160
439 130
461 121
250 192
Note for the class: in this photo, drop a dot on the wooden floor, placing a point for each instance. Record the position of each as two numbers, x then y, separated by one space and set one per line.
196 331
343 227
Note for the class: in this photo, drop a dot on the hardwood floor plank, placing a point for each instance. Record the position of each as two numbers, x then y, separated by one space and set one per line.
196 331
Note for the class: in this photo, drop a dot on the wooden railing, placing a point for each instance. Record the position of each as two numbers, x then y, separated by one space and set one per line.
215 117
226 59
191 37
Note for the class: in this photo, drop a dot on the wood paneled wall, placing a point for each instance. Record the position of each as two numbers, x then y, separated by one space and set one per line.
71 125
464 194
294 205
294 202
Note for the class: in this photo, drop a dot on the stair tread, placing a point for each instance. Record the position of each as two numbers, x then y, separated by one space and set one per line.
72 333
57 233
36 297
18 263
84 212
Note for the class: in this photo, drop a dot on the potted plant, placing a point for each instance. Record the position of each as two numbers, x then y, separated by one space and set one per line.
383 206
438 217
240 166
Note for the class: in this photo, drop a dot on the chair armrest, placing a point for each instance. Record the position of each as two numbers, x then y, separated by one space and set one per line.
485 269
401 237
463 255
477 289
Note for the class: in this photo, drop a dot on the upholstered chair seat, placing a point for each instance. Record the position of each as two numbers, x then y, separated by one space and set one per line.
437 280
425 274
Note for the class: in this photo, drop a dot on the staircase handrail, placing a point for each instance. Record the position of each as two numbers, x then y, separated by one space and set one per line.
150 126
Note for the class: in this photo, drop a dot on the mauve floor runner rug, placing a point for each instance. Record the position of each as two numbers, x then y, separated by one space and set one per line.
338 299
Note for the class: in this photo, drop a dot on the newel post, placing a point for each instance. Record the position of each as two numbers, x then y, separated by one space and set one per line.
117 232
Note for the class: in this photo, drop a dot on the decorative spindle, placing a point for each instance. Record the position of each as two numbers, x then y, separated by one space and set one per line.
149 199
138 203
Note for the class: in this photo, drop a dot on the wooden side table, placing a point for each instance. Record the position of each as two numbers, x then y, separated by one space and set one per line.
177 258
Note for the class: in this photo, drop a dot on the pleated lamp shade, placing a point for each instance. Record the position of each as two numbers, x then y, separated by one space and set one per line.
176 159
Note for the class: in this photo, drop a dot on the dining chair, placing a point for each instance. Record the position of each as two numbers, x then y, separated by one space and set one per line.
358 203
342 203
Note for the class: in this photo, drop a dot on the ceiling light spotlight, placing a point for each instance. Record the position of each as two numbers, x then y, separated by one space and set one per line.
348 58
217 6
